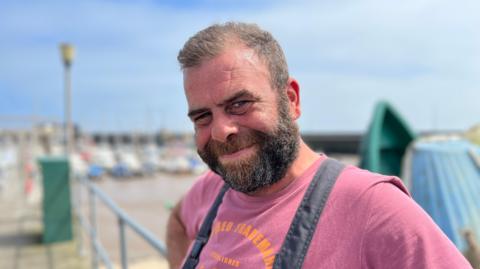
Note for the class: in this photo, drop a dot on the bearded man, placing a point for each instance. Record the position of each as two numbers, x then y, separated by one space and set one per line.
244 107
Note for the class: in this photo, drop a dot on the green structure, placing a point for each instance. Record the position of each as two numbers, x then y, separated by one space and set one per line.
57 216
385 142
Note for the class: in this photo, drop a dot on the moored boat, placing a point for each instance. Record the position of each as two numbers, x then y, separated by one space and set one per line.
384 144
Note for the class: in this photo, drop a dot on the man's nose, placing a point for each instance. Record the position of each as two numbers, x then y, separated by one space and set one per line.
223 128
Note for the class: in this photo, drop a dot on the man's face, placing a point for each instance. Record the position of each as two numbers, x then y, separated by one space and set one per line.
243 129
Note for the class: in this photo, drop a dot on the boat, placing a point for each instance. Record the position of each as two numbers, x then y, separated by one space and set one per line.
384 144
128 163
444 180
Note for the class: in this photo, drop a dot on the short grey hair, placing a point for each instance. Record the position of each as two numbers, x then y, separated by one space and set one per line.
211 41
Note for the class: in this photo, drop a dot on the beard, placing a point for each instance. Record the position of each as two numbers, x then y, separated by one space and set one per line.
275 152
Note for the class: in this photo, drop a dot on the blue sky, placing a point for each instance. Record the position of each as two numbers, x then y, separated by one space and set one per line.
421 55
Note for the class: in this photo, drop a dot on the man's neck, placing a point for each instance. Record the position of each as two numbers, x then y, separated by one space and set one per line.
306 157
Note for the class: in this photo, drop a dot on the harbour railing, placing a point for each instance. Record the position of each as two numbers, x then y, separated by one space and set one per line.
123 219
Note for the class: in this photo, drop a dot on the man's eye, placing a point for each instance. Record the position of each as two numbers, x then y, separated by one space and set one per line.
240 107
202 119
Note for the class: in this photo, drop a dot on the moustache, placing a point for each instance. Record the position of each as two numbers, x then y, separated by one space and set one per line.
234 144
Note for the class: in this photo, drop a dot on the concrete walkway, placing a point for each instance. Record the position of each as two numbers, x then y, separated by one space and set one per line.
21 231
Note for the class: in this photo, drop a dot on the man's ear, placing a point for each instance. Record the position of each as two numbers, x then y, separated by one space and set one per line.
293 95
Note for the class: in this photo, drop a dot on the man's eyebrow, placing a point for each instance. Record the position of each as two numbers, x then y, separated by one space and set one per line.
239 94
194 112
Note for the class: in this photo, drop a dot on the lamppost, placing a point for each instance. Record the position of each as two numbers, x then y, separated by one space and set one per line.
68 53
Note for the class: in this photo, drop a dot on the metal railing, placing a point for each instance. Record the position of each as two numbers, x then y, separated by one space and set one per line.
98 251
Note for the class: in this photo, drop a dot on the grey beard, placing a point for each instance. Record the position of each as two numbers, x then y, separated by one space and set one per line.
275 154
267 167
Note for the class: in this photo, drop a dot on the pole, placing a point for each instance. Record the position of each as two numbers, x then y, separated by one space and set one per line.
93 226
68 53
123 243
68 137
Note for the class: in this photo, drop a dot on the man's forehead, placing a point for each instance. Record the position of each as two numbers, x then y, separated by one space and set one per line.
234 55
221 67
235 69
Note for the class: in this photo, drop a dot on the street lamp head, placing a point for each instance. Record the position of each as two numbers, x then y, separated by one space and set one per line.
68 53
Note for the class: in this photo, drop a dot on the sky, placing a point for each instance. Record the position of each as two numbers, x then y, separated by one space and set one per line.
423 56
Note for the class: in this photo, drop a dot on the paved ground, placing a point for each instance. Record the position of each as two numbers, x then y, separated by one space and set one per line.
20 233
146 200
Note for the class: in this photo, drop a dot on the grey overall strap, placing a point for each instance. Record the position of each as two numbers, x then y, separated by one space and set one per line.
204 233
299 236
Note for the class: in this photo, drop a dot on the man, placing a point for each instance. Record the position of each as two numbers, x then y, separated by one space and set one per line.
244 107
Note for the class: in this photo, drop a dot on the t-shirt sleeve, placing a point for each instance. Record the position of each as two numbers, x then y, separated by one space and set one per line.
399 234
196 203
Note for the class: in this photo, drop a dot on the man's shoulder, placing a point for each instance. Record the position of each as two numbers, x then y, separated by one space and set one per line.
357 180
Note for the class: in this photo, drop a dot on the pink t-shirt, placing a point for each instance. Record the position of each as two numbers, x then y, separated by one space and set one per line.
369 221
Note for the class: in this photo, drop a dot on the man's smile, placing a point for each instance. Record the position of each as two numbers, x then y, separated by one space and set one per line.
237 155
